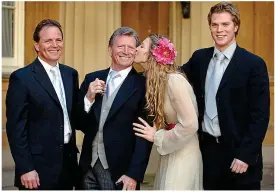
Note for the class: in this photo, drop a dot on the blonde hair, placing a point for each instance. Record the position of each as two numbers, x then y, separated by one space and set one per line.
229 8
156 83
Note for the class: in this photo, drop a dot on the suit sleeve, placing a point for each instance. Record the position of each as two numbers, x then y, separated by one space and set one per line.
259 103
17 122
81 113
168 141
187 68
142 149
76 85
75 93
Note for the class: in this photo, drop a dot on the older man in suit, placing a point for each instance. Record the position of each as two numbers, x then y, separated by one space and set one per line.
112 156
232 90
40 103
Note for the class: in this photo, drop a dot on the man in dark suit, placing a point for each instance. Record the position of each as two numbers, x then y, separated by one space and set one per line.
41 101
232 90
112 156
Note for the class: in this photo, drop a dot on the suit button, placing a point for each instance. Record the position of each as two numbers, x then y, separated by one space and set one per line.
61 127
61 146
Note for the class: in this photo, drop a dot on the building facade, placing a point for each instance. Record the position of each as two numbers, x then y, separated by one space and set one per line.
87 27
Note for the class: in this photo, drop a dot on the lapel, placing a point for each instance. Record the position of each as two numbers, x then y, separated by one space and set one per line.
126 90
98 99
204 63
68 86
233 64
42 77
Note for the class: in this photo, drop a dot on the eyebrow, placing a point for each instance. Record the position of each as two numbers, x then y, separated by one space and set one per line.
227 22
126 45
52 38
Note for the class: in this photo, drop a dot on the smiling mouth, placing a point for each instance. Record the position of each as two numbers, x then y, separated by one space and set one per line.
124 58
54 51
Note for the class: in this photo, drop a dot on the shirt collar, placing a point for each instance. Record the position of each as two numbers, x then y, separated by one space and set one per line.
123 73
228 52
47 66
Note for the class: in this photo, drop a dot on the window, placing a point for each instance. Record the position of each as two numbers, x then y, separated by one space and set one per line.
13 22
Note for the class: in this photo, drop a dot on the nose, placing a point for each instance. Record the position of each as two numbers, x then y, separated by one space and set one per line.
219 28
54 43
126 50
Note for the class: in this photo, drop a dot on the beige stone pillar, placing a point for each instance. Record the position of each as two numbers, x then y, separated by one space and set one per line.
87 28
192 33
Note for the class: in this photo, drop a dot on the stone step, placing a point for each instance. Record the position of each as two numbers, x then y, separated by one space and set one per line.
267 182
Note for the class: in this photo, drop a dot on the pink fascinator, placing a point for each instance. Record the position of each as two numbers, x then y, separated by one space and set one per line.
165 52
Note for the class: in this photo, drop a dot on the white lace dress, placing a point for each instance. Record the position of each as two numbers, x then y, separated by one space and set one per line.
180 165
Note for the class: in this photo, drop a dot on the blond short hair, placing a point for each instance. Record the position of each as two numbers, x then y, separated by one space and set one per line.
229 8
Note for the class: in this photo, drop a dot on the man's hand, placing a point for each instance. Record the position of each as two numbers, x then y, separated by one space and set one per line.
97 86
238 166
30 180
128 182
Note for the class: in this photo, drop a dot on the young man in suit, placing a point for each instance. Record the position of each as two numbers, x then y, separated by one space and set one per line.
41 102
111 100
232 90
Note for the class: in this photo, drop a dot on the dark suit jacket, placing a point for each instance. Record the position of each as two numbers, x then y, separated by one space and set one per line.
35 126
126 153
242 103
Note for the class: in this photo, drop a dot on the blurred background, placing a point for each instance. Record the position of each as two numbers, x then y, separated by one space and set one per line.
87 27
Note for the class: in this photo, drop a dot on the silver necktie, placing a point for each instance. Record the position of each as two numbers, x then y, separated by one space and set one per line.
110 84
58 89
214 82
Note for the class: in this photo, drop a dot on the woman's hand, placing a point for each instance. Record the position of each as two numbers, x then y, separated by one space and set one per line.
145 131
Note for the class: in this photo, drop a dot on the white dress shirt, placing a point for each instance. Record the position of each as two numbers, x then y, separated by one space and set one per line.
212 126
123 74
67 125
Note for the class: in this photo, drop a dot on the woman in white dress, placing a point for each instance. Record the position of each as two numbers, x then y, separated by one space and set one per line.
172 104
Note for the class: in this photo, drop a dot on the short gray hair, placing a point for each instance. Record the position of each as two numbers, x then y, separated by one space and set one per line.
124 31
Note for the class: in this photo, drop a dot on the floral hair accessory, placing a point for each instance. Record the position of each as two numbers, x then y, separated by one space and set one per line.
165 52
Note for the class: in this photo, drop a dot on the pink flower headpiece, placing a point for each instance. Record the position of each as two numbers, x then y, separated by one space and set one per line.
165 52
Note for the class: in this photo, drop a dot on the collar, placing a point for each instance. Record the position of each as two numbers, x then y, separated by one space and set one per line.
47 66
123 73
228 52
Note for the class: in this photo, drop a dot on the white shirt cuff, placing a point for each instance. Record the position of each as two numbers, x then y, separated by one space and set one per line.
87 104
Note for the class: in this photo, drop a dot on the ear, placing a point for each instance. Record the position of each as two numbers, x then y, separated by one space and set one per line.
110 51
236 28
36 46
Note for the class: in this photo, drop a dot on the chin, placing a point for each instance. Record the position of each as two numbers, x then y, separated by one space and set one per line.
126 65
55 59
